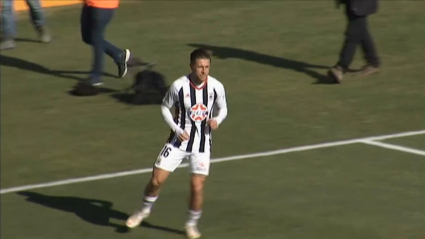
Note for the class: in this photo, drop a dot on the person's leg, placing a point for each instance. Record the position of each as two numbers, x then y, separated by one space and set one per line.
8 25
353 36
196 201
101 18
151 192
38 20
152 188
370 53
120 57
168 160
200 164
36 12
86 24
368 47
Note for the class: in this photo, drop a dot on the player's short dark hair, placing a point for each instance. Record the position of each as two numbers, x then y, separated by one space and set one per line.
199 54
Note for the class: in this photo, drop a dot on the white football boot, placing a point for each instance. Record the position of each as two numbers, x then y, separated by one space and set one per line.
192 232
137 218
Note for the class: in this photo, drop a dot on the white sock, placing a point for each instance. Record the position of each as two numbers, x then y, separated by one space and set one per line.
148 203
193 218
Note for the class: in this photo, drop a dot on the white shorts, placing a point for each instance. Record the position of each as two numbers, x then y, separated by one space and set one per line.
171 157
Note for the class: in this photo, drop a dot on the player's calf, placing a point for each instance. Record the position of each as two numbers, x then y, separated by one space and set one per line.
197 192
195 205
151 195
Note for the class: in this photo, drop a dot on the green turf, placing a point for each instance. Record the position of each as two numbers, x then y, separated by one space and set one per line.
417 142
269 55
273 101
368 193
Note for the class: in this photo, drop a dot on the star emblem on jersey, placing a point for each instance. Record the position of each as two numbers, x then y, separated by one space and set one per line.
198 112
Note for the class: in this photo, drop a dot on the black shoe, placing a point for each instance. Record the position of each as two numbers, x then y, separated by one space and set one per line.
122 64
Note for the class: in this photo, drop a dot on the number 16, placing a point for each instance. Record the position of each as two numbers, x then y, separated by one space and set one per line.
165 152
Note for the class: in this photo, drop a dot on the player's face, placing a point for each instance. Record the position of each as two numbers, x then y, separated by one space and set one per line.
201 68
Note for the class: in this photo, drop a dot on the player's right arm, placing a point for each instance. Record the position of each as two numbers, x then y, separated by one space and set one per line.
222 108
170 99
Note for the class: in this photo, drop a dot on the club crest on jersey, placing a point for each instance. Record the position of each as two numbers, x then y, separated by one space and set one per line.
198 112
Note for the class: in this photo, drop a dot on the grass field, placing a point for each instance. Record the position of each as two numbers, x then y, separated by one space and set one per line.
269 55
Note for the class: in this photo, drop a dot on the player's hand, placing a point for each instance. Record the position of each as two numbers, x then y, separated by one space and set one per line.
183 136
212 123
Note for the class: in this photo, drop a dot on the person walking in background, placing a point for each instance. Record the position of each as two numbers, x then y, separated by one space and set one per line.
9 26
357 12
95 16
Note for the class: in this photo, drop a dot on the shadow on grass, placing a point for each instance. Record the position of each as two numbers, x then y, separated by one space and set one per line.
97 212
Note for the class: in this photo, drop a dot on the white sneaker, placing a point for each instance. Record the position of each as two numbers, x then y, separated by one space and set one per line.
192 232
137 218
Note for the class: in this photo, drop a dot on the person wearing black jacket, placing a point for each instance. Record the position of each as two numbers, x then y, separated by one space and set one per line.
357 12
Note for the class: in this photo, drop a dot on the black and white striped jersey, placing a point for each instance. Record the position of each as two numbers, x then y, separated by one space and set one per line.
194 105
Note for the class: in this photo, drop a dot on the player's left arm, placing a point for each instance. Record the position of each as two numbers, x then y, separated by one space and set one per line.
170 99
221 107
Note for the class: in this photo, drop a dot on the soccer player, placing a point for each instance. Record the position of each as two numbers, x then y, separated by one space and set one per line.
95 16
194 97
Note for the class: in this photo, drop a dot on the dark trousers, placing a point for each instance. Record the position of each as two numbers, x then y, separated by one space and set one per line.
357 33
93 25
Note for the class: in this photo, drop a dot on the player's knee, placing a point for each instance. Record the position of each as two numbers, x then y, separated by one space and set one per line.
197 188
156 182
158 177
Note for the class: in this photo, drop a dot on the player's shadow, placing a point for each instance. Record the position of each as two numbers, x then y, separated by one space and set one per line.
98 212
223 52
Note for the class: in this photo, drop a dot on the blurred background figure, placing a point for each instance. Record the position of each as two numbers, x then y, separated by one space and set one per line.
357 12
9 26
95 17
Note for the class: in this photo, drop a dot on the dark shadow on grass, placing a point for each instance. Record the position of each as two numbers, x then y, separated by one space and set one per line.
100 90
133 99
97 212
148 88
231 52
34 67
27 40
161 228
